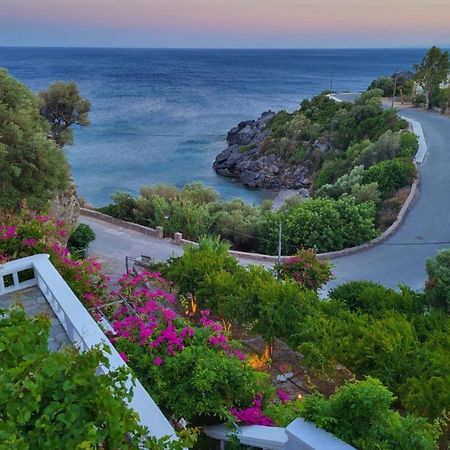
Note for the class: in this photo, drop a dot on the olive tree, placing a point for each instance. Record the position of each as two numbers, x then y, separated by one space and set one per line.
63 107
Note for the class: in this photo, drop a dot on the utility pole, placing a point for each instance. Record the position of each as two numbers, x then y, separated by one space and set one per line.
395 88
279 243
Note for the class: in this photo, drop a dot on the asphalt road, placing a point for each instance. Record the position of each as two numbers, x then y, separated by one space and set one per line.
399 260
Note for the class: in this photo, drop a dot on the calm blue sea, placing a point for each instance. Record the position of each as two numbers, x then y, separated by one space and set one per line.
160 116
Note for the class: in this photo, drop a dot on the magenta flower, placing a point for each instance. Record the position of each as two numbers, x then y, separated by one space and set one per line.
283 396
124 356
157 361
30 242
42 219
253 415
9 232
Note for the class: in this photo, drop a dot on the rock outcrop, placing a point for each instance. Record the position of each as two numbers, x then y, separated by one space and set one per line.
245 161
66 206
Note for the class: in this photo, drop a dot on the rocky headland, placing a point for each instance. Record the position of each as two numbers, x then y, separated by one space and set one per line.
246 159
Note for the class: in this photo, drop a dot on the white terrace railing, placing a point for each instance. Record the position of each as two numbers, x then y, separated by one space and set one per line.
298 435
80 327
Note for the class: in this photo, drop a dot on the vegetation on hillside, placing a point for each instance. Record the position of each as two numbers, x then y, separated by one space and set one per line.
399 338
366 159
32 168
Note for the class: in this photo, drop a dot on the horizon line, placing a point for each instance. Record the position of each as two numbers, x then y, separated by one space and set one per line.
216 48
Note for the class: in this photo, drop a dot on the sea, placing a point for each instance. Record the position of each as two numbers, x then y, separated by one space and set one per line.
161 115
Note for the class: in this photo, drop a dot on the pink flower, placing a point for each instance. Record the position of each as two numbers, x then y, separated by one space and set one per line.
169 315
9 232
283 396
157 361
240 355
42 219
253 415
30 242
124 356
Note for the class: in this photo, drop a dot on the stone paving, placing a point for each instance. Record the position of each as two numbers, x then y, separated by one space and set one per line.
34 303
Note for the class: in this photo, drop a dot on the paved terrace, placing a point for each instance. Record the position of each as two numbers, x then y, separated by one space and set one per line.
35 303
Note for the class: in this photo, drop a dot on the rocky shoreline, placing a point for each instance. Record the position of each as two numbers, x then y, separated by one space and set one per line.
245 160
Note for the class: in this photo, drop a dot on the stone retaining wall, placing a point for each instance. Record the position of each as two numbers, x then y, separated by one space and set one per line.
158 232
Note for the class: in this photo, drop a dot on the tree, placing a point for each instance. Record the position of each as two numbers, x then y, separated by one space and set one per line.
63 107
361 414
437 287
190 270
31 168
432 72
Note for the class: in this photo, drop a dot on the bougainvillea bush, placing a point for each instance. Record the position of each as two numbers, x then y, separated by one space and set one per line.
29 234
194 372
305 269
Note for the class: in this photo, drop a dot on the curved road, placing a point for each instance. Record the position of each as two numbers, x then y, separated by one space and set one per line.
400 259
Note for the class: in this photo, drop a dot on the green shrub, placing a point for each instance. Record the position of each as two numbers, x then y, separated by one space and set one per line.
386 147
199 194
209 257
80 239
199 384
361 414
343 184
278 122
366 193
246 148
365 296
330 171
321 109
233 295
386 84
56 400
409 144
437 287
323 224
391 175
305 269
122 207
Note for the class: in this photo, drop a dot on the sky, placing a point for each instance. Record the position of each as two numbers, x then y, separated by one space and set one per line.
226 23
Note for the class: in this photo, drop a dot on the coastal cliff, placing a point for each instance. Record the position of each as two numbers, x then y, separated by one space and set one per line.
248 160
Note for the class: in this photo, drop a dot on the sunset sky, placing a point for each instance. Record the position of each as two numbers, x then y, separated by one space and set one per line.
225 23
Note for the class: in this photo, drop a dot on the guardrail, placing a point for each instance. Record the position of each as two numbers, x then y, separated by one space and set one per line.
80 327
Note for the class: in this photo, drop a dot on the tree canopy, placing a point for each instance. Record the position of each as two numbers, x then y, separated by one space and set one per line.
432 72
31 167
63 107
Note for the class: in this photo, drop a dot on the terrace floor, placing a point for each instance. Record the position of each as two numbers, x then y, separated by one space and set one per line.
35 303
